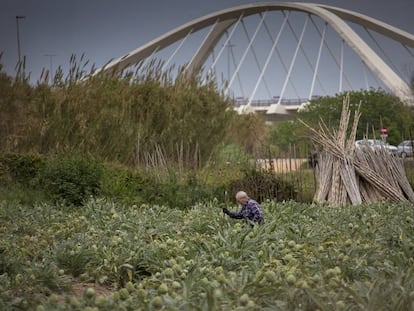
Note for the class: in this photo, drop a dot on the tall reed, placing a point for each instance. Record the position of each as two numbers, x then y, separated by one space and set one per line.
121 117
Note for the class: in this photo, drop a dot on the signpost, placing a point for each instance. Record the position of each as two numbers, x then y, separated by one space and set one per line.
384 133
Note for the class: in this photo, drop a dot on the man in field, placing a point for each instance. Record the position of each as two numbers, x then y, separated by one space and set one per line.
250 211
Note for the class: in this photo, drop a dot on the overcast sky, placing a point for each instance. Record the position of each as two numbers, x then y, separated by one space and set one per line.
107 29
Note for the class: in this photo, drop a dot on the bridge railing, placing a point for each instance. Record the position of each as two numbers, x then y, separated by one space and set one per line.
267 102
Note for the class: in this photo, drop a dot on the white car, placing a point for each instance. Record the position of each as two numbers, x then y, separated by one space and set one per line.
405 149
376 144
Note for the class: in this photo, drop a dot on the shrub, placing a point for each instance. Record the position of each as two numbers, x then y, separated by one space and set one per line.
262 185
232 153
125 185
72 179
182 191
20 168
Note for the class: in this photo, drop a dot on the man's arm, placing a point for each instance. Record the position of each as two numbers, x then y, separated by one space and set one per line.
235 215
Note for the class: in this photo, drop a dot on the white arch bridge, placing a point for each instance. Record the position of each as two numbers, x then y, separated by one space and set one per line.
273 57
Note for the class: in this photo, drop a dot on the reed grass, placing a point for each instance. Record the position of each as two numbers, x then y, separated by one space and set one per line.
127 117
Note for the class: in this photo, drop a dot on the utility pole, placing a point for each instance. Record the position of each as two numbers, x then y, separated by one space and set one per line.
51 66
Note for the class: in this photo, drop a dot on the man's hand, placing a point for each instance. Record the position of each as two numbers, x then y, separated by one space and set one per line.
225 210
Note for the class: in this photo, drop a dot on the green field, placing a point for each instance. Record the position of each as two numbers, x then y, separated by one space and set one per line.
106 256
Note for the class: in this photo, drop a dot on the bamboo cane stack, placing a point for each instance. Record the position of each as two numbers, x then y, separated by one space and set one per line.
349 175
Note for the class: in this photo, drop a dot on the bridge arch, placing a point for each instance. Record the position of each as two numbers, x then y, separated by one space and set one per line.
222 20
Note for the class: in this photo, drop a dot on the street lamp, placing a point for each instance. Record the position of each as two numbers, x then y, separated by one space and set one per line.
51 66
18 37
229 52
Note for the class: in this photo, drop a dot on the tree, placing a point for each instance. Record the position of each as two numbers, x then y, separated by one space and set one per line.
287 134
378 109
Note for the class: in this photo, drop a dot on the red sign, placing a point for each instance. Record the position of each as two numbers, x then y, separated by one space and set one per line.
384 131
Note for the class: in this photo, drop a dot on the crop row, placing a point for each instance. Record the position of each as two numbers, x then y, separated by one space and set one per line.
106 256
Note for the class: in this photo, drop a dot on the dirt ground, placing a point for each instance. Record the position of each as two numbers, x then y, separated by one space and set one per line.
79 288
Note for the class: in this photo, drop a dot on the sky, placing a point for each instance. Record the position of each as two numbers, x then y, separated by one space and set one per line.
53 30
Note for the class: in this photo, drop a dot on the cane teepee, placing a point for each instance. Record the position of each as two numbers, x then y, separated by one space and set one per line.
349 175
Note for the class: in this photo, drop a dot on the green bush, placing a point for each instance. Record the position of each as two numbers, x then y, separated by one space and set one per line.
232 153
125 185
184 190
175 190
262 185
20 168
184 194
71 180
